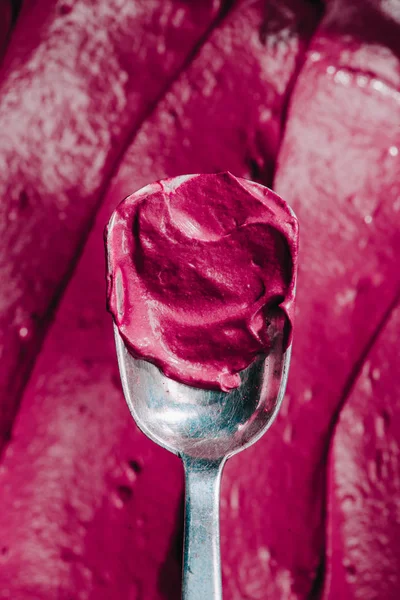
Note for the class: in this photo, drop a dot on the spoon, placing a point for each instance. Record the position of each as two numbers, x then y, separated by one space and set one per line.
205 428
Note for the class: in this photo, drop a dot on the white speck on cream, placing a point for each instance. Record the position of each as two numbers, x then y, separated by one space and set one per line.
362 80
178 18
263 554
23 332
379 86
265 115
346 297
315 56
342 77
308 395
161 48
376 374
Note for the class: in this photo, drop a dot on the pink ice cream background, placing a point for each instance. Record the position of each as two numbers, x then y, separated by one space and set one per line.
100 98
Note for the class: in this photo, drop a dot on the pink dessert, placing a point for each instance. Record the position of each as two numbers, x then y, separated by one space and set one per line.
197 266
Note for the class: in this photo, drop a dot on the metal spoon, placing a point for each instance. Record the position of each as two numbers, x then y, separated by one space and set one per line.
204 428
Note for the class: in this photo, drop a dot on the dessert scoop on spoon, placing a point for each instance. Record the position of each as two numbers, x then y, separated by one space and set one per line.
201 285
204 428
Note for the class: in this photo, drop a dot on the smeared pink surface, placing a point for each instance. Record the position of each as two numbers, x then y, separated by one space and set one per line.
198 266
75 84
364 480
88 506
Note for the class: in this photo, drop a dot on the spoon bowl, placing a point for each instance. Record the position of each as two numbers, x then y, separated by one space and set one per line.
204 424
204 428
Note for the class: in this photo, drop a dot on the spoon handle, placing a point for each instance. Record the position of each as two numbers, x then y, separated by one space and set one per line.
201 553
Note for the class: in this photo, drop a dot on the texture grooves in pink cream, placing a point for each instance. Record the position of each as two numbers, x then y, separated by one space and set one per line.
71 97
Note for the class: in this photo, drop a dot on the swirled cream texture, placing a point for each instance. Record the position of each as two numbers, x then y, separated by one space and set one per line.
197 267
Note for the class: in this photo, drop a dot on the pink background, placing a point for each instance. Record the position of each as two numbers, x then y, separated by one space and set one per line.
100 97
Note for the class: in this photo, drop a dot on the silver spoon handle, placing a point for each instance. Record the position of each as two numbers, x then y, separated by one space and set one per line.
201 552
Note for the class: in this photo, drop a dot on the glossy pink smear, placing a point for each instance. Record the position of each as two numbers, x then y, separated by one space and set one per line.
73 91
197 267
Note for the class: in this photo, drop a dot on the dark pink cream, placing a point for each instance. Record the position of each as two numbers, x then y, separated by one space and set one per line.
197 267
